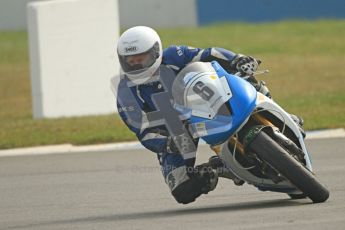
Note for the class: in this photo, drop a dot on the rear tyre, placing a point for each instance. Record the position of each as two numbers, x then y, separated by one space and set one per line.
276 156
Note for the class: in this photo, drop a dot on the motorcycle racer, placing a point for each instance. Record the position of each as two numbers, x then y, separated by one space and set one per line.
140 55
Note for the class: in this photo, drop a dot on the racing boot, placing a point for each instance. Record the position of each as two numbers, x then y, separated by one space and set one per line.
216 163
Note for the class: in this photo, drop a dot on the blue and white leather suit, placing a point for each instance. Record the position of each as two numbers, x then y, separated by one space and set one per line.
174 166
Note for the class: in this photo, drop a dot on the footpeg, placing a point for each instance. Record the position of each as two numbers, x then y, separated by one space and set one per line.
217 164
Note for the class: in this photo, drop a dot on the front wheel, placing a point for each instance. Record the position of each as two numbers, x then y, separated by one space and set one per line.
279 159
297 196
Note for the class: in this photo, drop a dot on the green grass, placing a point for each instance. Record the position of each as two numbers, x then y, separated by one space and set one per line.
307 77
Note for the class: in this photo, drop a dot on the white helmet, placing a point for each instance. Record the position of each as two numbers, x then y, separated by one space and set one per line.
140 53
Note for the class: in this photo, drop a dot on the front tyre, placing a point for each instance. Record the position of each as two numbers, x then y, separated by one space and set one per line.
277 157
297 196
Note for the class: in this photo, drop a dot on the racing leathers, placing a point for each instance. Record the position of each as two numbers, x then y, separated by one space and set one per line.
185 182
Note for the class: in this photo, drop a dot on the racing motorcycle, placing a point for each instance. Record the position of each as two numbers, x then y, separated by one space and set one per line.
257 140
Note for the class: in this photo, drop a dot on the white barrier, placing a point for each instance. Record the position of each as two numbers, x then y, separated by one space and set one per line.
154 13
158 13
73 56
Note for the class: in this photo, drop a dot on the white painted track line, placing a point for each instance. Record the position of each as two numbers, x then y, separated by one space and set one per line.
68 148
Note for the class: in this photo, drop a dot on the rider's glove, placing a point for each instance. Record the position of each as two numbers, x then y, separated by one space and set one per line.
246 65
171 146
183 143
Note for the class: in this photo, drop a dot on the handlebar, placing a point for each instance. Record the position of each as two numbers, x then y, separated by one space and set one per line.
240 74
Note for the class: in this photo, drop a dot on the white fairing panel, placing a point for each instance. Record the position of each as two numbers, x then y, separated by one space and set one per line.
269 105
265 103
202 92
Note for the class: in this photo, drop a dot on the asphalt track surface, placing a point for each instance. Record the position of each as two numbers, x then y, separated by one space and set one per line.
125 190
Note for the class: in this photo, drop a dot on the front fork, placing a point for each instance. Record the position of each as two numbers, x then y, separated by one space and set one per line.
263 123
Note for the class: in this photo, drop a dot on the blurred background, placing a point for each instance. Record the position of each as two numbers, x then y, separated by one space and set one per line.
301 42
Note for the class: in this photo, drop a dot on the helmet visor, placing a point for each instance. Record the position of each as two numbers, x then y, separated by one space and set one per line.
137 63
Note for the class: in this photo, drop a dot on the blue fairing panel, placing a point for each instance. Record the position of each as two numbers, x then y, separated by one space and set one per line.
219 128
242 103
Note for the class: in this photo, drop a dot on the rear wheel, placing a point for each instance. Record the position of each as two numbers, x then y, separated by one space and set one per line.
278 158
